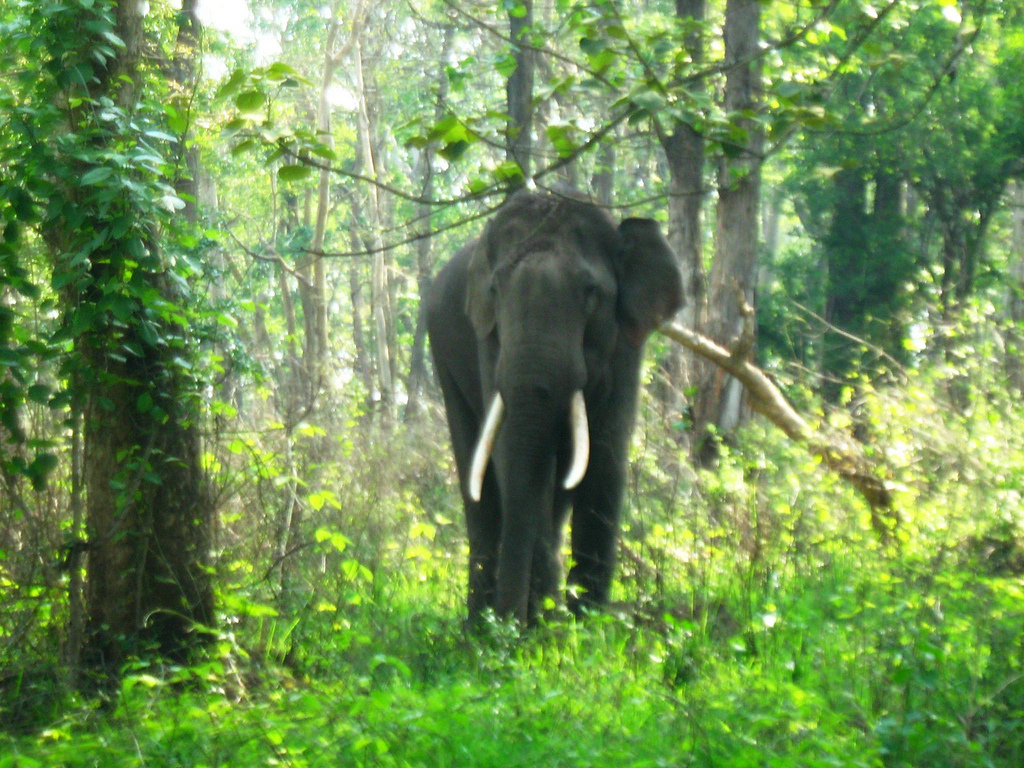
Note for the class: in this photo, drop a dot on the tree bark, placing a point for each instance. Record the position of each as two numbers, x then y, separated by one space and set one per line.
379 279
519 91
719 398
317 345
847 256
183 72
684 152
684 156
76 606
1015 291
604 177
963 228
424 259
148 513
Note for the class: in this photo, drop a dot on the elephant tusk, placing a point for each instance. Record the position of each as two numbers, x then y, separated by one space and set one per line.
580 441
485 445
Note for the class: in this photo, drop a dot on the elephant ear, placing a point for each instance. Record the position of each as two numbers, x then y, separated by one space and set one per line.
479 290
651 285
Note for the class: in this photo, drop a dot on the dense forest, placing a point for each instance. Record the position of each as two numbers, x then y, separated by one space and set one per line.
232 525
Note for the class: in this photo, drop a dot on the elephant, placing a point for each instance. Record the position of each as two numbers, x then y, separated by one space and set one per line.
537 331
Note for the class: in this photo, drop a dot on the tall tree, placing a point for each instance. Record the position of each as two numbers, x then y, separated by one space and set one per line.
417 358
719 398
519 88
1015 290
684 153
379 294
99 174
866 262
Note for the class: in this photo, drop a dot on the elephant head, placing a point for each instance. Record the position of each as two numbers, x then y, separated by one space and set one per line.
560 301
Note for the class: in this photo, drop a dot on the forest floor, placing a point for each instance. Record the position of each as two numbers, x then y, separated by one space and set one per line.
758 621
846 666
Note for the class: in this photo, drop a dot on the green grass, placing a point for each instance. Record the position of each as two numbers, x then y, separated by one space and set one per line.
758 622
847 669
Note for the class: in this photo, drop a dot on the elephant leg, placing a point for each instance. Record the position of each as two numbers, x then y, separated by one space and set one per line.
595 528
483 527
483 518
546 572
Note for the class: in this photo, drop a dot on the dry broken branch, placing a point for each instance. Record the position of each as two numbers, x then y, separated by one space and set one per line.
840 452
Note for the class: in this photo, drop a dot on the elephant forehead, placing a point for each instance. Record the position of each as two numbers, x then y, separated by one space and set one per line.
542 272
555 246
553 279
562 256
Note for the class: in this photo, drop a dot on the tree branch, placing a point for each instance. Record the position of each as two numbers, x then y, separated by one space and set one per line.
839 452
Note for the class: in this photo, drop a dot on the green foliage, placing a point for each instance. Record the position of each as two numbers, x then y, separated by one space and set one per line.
761 624
91 248
757 620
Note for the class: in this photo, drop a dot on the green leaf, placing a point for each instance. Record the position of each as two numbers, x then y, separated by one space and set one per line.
294 172
337 540
443 127
97 175
506 65
508 171
601 61
454 151
250 101
279 71
65 278
560 140
40 468
39 393
231 86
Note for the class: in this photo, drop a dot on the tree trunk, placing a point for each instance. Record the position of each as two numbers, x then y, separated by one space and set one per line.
519 90
357 223
770 226
720 397
379 280
1015 291
148 513
963 237
684 156
888 218
604 177
684 153
317 345
424 260
846 253
76 606
424 270
183 71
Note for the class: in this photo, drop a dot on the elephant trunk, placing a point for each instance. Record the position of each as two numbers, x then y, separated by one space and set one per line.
524 462
578 428
525 436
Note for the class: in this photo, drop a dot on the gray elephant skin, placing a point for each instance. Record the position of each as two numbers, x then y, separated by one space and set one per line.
537 330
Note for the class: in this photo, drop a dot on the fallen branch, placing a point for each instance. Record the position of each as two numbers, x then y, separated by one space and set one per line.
840 453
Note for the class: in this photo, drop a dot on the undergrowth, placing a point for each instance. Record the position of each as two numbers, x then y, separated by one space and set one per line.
758 620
